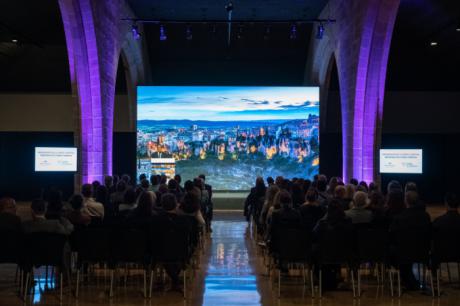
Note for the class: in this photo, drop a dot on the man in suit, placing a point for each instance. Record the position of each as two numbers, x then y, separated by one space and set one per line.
450 221
40 224
9 221
210 206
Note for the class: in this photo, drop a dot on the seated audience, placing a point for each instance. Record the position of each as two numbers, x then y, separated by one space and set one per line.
394 204
377 207
129 202
358 212
311 211
118 196
269 203
108 183
55 206
9 221
94 208
78 216
170 219
323 196
450 221
178 179
286 216
190 206
154 183
333 182
297 194
255 200
340 194
40 224
335 219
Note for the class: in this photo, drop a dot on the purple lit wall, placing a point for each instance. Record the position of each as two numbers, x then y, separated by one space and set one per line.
360 42
95 37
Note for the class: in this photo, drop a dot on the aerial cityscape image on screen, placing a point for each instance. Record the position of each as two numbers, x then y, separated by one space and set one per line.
230 134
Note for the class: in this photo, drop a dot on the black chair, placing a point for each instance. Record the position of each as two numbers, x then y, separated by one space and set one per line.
335 247
410 246
371 247
93 245
44 249
12 251
445 249
130 246
292 246
174 248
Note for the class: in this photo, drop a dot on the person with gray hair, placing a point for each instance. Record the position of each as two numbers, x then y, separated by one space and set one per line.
358 212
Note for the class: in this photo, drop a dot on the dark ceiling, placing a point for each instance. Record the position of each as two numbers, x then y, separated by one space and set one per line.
38 61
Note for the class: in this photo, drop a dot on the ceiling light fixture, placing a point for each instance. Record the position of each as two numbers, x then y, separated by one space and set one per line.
135 31
14 41
163 36
433 43
320 31
293 33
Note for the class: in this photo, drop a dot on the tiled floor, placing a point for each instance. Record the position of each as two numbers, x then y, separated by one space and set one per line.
231 273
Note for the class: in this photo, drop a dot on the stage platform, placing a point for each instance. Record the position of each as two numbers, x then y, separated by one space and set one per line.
227 200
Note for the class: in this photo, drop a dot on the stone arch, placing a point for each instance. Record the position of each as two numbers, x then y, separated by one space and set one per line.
360 40
95 36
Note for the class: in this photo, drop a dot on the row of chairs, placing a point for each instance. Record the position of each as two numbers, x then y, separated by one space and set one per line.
297 247
148 247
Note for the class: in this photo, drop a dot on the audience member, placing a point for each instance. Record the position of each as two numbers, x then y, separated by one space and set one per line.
55 207
108 183
9 221
269 202
286 216
172 220
154 183
340 194
450 221
40 224
93 208
78 216
190 206
415 221
129 202
118 196
358 212
270 181
255 200
311 211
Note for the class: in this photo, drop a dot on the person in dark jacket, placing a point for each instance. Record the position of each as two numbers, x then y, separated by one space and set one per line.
450 221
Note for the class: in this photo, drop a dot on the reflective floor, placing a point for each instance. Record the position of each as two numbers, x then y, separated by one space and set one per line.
231 272
230 280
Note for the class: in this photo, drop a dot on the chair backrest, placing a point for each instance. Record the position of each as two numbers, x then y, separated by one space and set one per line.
446 246
175 243
129 245
336 246
412 245
93 244
291 244
371 245
42 249
11 243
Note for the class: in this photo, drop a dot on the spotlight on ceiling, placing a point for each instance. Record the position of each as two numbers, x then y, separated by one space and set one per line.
293 33
320 31
433 43
135 31
14 41
188 33
163 36
457 28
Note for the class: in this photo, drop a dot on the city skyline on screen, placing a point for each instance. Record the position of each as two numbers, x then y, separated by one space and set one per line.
226 103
